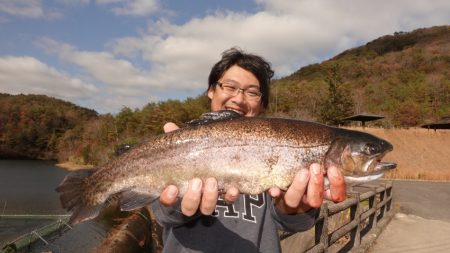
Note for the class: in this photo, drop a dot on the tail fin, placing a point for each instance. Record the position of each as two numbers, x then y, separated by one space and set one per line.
71 196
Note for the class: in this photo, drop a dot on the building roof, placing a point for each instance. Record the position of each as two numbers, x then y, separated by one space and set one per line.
364 117
443 123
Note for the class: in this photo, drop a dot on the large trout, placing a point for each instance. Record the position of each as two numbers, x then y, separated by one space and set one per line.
250 153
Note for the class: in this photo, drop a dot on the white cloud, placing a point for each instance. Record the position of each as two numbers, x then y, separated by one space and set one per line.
290 34
27 9
128 84
74 2
103 66
30 76
23 8
132 7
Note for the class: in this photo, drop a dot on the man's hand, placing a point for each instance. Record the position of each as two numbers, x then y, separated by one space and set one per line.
307 190
199 196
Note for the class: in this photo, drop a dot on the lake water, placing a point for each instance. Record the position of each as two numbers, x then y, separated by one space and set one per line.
27 187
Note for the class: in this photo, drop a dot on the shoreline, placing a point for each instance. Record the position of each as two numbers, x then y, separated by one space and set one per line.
71 166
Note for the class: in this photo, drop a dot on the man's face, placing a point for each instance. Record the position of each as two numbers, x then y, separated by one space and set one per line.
238 103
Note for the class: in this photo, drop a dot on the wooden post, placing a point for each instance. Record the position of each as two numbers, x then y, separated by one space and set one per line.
322 228
373 203
389 196
382 198
355 214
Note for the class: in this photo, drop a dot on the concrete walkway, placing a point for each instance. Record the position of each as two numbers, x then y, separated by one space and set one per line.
422 223
410 233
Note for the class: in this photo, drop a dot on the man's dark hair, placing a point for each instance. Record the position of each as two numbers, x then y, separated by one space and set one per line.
250 62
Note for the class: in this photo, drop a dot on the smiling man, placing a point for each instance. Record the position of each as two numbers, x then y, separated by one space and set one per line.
203 221
243 84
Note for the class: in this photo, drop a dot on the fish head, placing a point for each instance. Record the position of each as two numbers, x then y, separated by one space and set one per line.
359 156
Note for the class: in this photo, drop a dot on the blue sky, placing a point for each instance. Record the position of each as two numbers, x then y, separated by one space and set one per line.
107 54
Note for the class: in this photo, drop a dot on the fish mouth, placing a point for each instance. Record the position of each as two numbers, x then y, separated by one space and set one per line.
373 169
374 165
384 166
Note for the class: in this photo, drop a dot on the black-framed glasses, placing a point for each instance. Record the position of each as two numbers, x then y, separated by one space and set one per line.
232 89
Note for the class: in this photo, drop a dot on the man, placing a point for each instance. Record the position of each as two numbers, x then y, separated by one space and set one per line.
203 221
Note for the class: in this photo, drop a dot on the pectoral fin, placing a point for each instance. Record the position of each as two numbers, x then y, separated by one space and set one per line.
134 199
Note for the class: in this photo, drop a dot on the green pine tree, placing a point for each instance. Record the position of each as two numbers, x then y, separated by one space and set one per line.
338 104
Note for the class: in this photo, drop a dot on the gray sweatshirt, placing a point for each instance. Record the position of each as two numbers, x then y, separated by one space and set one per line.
248 225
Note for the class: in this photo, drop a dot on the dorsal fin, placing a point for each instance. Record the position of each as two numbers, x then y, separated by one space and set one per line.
213 117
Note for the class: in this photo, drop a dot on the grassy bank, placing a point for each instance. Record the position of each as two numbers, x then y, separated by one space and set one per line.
419 153
73 166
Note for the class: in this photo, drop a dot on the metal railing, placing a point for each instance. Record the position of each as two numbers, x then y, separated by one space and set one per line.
364 212
37 234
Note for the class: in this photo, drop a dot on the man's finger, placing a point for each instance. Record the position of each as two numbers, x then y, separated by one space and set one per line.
209 198
191 200
274 192
315 186
295 192
231 195
169 195
169 127
337 191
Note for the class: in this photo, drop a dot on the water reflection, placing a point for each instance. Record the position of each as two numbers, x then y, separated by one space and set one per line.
27 187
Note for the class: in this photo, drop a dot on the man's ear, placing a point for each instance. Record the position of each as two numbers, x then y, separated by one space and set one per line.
211 91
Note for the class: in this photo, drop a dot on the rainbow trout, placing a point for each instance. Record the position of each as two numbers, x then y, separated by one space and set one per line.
250 153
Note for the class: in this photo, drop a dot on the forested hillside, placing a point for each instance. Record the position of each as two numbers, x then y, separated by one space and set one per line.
41 127
405 77
32 125
99 139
